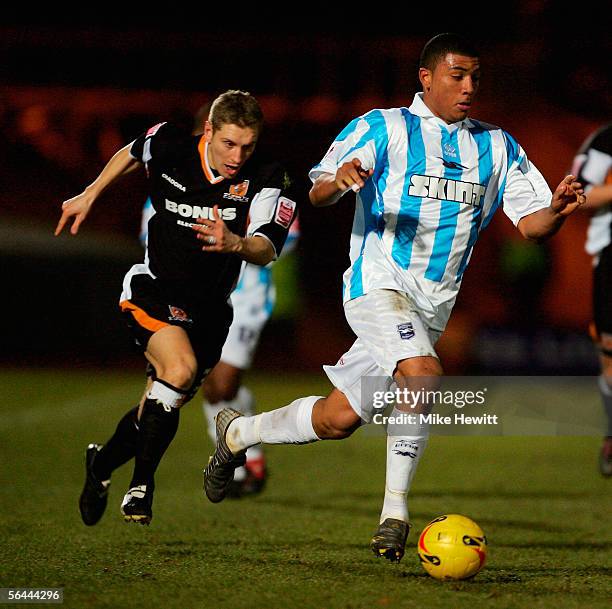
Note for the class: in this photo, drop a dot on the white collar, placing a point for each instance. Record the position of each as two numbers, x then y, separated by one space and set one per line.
420 108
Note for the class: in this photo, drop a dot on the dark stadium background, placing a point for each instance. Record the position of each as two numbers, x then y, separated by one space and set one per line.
74 90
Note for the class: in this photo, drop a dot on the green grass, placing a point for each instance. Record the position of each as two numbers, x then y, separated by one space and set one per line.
304 542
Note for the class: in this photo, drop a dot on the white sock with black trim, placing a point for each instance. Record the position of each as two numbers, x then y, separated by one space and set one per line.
403 456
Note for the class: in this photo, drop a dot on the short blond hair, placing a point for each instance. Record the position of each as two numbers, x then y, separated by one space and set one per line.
236 107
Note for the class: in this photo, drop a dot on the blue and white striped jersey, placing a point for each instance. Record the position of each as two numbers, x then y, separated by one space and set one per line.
435 187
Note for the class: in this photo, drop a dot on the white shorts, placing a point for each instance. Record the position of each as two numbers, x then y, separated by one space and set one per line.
252 301
241 343
389 329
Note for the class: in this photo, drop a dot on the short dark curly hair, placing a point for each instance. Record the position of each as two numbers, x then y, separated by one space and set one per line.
436 49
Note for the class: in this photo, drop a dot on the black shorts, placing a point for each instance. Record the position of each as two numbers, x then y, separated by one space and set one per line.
153 306
602 292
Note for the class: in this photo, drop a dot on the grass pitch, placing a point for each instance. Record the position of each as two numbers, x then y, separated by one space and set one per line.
304 542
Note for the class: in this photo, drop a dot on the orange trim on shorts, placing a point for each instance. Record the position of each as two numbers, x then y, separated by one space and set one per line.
142 317
203 150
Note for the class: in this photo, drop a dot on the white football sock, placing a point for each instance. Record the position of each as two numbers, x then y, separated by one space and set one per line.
403 456
290 424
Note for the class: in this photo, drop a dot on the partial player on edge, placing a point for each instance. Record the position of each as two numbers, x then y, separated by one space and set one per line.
593 165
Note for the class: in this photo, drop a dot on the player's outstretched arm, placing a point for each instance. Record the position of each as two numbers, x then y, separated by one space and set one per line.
566 199
328 188
597 197
217 237
78 207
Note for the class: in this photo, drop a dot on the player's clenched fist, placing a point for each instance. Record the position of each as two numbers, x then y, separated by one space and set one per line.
568 196
352 175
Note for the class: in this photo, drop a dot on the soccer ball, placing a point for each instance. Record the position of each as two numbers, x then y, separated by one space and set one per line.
452 547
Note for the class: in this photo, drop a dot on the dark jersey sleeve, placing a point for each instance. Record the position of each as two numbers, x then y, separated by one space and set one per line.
156 143
593 163
273 209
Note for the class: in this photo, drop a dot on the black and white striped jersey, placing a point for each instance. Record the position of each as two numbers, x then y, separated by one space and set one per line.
593 166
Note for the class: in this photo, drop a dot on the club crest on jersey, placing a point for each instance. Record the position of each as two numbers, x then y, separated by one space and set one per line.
177 314
237 192
284 212
406 331
450 150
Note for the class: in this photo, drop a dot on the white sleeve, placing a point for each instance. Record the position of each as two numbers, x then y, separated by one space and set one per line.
592 168
270 216
358 140
526 190
262 209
